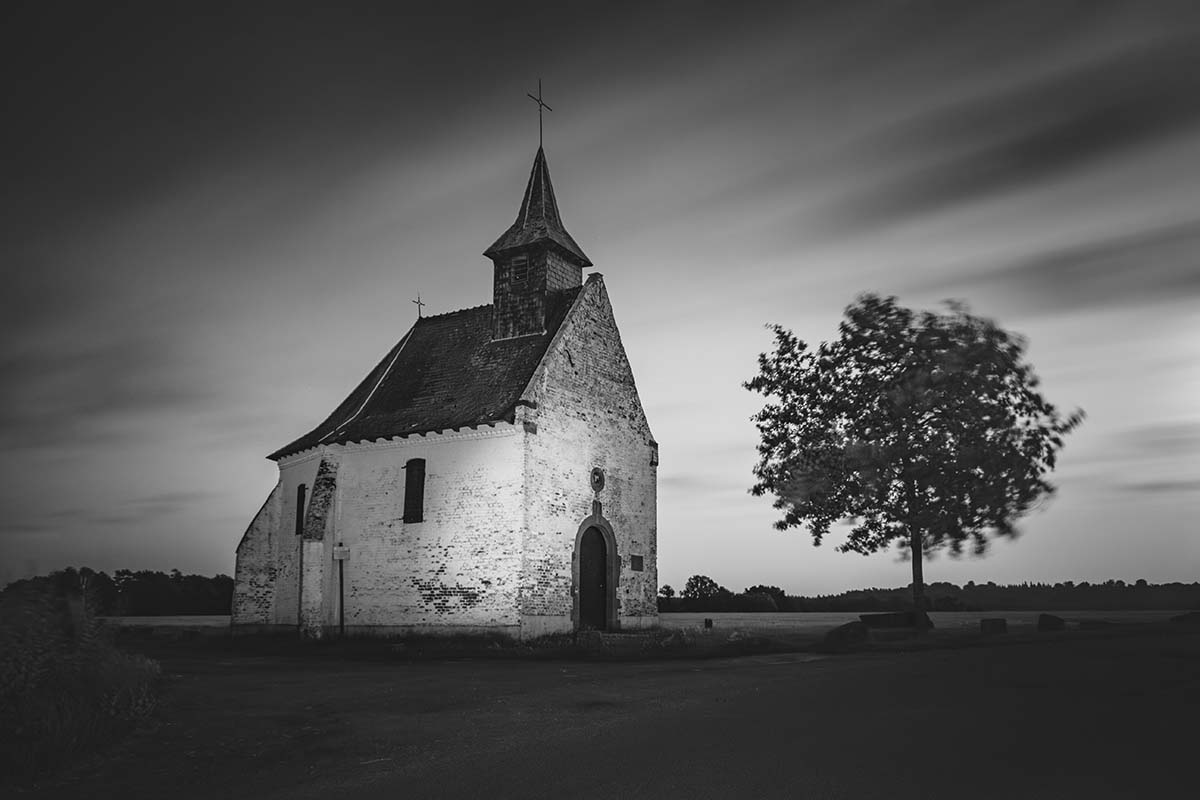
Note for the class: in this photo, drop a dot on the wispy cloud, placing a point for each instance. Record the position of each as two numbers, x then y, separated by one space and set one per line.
130 513
51 395
1024 137
1163 487
1134 269
702 483
1162 439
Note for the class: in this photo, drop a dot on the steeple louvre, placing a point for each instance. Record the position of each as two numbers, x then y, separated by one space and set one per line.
533 259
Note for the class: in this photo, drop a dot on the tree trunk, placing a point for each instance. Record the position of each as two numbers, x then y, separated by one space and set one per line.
918 558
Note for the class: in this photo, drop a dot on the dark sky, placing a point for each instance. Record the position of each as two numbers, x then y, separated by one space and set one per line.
214 220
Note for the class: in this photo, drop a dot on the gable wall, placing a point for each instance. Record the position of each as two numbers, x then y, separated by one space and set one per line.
588 414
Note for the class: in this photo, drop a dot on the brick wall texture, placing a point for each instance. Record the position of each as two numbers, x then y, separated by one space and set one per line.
504 504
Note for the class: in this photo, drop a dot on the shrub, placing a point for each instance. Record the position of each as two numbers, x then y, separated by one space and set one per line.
64 686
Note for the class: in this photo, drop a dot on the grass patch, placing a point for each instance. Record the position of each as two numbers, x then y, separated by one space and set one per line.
65 688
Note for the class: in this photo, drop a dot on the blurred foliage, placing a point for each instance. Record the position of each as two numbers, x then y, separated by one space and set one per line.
924 430
65 688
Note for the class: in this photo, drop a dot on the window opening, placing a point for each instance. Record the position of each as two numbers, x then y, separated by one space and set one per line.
414 490
301 492
520 269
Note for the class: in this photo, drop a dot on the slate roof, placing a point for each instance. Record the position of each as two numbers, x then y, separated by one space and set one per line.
445 373
539 220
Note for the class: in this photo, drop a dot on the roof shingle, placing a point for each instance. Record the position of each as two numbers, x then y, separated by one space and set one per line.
445 373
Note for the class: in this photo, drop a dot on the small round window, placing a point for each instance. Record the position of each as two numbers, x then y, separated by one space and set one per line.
597 479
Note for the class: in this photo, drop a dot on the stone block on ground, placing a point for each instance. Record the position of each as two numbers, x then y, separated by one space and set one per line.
842 635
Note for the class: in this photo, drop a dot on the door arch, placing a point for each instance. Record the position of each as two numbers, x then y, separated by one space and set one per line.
596 569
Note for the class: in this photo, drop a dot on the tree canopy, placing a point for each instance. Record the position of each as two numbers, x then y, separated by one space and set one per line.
702 587
922 429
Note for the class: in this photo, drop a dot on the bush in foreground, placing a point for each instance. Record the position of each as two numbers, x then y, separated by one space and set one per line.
64 687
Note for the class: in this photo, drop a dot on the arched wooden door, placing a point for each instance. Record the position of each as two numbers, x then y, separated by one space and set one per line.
593 580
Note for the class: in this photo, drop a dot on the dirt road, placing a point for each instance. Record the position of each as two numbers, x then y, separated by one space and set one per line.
1074 717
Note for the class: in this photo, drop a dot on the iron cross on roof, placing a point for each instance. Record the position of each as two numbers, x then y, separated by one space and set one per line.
419 305
541 105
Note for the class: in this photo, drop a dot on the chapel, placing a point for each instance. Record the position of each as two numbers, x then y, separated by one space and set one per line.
495 471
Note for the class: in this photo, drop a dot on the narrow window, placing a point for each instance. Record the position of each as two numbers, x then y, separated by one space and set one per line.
301 492
414 490
520 269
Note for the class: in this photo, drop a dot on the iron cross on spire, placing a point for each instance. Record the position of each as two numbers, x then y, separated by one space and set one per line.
541 105
419 305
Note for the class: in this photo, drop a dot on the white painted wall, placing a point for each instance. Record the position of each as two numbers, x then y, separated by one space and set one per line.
459 567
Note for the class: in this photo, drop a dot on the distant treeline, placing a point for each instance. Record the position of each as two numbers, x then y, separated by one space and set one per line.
135 594
704 594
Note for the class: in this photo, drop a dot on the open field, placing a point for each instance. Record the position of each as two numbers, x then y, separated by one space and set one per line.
944 620
1063 715
773 622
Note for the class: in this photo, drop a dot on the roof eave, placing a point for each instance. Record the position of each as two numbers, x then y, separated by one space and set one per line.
567 248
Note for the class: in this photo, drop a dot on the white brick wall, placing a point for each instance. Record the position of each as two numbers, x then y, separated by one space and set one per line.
460 565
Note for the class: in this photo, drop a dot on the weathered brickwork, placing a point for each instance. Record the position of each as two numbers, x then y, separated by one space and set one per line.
254 573
456 569
320 500
315 569
588 414
267 578
459 566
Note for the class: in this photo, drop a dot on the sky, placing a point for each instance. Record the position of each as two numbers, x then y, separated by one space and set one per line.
214 220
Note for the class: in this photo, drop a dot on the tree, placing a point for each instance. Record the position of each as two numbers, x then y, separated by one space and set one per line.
774 591
779 595
666 592
702 587
922 429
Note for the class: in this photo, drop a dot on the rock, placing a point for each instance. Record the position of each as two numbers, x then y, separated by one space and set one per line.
1049 622
842 635
1190 618
895 619
993 625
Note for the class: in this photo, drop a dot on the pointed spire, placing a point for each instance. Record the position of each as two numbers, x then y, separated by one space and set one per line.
539 220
